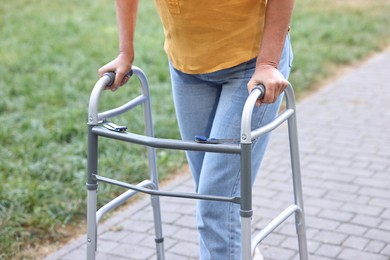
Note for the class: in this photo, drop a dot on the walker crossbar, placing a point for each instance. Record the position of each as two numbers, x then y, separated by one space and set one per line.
244 149
113 204
274 224
274 124
122 109
167 193
167 143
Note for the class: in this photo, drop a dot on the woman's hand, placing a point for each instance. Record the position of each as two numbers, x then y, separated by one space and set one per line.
121 66
273 81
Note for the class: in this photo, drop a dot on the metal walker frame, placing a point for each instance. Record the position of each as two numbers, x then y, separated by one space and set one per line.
150 186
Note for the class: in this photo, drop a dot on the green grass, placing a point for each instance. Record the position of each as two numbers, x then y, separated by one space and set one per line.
49 55
330 34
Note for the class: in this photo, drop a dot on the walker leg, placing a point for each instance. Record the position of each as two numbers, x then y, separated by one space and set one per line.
91 225
155 201
246 211
158 227
246 251
297 184
91 195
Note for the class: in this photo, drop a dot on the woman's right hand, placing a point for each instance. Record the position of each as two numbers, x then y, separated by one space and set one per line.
121 66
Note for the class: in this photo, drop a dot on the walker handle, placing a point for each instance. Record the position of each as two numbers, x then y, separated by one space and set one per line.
247 134
106 80
111 76
262 90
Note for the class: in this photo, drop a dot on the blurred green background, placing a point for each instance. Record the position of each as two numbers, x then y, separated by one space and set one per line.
50 52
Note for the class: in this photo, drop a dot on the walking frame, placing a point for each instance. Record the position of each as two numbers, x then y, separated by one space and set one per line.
243 148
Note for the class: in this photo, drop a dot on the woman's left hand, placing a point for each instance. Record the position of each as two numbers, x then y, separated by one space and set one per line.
273 81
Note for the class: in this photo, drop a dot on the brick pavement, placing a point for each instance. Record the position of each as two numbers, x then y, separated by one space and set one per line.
345 159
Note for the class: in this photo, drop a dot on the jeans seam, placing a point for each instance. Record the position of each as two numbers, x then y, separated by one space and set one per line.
262 115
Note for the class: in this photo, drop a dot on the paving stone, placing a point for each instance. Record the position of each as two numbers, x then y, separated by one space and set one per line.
187 234
340 195
312 210
277 253
317 257
108 256
351 229
384 203
356 242
336 215
116 234
79 254
386 214
355 171
133 251
325 203
386 250
330 237
185 249
321 223
378 235
371 182
335 185
274 239
314 192
173 256
366 221
349 254
362 209
362 200
292 243
106 246
383 175
375 192
375 247
328 250
133 237
385 225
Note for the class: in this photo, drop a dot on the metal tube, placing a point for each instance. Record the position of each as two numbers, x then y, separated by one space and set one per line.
274 224
152 162
167 193
273 124
167 143
297 183
246 253
246 200
94 99
122 109
113 204
246 173
107 79
247 115
91 224
91 186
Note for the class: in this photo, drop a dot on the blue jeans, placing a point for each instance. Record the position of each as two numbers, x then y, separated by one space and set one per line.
211 105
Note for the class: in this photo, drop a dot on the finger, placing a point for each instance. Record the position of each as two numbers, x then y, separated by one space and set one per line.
117 81
125 80
101 72
269 96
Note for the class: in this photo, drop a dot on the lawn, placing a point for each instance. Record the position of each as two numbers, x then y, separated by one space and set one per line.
49 55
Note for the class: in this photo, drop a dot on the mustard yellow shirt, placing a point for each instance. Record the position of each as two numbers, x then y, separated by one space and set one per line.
203 36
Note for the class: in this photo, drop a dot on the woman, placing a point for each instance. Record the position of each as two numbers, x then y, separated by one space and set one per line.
218 51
